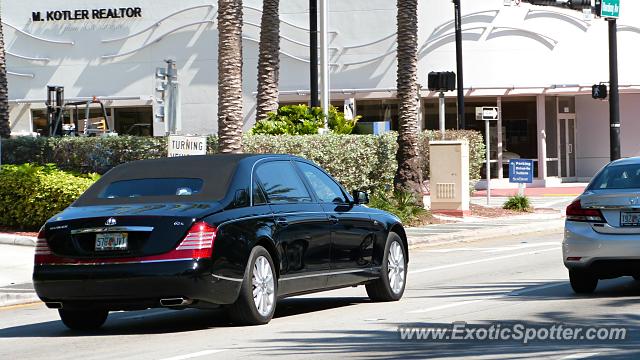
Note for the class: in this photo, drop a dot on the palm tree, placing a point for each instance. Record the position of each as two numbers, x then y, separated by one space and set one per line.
408 176
268 60
5 130
230 115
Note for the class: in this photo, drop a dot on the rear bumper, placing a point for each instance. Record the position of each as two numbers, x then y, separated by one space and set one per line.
604 255
125 286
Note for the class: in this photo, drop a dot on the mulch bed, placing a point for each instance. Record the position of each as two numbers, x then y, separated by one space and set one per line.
6 230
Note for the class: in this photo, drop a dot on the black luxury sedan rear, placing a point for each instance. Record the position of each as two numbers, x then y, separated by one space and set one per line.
238 231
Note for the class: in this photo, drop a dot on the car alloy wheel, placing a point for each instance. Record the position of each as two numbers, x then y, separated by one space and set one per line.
263 286
396 267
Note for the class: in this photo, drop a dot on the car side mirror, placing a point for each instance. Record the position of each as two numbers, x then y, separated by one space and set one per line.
360 197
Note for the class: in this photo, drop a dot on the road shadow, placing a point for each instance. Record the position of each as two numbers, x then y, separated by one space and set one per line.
387 344
625 289
163 321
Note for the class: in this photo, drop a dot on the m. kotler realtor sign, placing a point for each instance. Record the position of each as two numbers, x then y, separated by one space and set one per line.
87 14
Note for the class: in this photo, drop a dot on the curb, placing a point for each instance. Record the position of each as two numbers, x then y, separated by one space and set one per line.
18 299
416 242
11 239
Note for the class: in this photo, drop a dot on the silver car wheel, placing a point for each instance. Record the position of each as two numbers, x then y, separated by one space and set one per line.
263 286
396 267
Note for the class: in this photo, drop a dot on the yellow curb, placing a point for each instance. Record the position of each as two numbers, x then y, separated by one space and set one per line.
19 306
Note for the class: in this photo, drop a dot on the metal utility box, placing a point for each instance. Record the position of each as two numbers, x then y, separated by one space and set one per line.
449 183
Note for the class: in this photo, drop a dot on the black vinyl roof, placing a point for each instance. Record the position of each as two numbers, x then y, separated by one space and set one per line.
216 170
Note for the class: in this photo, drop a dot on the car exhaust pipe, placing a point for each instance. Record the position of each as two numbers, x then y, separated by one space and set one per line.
172 302
54 305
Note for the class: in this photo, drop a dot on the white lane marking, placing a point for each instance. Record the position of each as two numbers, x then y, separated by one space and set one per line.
493 249
195 354
486 298
580 356
472 262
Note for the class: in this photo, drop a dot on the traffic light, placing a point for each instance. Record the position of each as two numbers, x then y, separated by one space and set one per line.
442 81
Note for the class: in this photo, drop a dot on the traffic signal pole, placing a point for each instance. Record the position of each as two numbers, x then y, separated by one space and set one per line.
458 23
614 94
313 52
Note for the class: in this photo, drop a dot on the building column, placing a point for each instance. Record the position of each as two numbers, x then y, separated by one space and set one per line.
542 137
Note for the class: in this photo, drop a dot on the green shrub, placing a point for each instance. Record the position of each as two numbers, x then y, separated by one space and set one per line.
400 203
303 120
31 194
518 203
365 162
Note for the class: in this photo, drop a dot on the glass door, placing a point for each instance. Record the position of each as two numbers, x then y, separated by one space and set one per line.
566 145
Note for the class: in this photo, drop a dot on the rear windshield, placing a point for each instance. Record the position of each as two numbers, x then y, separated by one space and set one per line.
152 187
617 177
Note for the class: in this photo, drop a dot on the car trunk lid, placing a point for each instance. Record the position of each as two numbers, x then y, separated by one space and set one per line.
122 231
620 209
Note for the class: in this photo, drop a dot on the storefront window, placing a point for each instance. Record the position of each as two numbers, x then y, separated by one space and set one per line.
125 121
134 120
378 110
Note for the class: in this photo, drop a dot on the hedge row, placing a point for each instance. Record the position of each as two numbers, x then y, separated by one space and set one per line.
358 161
31 194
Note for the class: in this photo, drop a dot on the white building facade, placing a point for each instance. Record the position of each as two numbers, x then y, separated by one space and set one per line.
536 63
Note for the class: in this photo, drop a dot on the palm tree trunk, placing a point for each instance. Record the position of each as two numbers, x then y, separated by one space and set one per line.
408 176
269 60
230 115
5 129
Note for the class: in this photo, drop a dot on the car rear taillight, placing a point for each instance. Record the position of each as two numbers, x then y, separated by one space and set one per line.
43 253
198 243
575 212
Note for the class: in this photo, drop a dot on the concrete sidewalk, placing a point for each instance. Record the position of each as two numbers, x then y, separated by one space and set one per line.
16 266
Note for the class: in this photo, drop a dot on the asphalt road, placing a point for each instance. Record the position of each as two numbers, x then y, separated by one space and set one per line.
511 281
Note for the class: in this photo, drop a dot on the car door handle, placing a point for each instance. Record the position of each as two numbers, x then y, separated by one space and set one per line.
334 219
282 222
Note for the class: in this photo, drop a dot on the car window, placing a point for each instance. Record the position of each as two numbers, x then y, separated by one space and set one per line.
281 183
618 177
325 188
258 195
152 187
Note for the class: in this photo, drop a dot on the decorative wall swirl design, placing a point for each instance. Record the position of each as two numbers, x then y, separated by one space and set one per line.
157 23
30 58
20 74
579 23
62 42
509 31
285 53
111 56
284 21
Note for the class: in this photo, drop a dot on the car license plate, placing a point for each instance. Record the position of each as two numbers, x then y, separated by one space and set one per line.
630 219
111 241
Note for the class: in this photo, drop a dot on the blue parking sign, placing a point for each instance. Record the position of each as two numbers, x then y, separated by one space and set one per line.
521 171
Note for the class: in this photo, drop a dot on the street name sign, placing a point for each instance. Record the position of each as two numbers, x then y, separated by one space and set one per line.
187 145
610 9
521 171
487 113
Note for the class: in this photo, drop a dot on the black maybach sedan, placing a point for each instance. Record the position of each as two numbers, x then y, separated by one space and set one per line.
239 231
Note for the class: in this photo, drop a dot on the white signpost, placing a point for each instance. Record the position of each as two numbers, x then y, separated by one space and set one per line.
488 114
180 145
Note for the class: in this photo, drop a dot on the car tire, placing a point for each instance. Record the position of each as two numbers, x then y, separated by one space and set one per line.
582 282
260 277
392 282
83 319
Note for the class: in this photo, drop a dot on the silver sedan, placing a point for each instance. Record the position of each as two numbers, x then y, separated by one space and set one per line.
602 230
